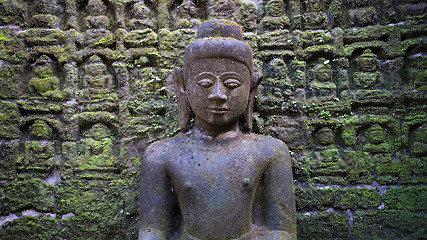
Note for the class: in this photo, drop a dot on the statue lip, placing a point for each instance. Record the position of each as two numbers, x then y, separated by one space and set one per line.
218 110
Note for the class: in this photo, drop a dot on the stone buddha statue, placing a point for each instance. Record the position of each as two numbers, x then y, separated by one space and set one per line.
216 179
45 84
96 77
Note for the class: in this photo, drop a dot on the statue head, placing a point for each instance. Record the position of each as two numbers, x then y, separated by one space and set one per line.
368 61
41 130
140 11
376 134
217 84
325 136
96 8
44 67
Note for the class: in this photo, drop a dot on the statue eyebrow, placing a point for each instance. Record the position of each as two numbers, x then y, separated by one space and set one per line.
203 74
223 76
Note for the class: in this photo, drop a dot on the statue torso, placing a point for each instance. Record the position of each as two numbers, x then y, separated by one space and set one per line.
216 182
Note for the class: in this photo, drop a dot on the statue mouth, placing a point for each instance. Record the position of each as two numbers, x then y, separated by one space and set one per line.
219 110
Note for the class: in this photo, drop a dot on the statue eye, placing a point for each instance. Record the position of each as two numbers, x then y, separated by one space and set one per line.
232 83
206 83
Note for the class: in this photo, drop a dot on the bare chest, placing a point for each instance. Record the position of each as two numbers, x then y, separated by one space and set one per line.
202 175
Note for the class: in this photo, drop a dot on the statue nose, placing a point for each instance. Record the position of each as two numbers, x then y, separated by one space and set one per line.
218 93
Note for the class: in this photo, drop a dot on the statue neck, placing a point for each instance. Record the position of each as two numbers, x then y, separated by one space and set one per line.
201 140
205 131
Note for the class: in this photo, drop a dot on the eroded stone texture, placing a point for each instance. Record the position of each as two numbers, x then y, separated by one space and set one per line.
216 171
344 87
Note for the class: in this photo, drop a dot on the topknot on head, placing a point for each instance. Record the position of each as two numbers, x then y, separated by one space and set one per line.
221 28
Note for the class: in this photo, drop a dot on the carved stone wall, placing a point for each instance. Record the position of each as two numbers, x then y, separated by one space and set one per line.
83 82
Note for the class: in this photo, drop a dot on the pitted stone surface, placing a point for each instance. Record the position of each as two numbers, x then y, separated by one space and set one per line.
84 89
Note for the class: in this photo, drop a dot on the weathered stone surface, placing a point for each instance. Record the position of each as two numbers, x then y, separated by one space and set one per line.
389 224
344 85
323 226
406 198
314 199
23 194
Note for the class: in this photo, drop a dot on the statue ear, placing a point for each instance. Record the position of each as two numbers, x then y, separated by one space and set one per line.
247 115
257 78
178 80
184 109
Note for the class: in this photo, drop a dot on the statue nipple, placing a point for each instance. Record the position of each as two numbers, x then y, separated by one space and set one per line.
188 186
246 182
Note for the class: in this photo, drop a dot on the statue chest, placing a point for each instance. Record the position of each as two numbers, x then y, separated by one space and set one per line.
215 177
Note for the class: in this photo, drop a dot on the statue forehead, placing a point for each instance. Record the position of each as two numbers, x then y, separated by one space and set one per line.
217 65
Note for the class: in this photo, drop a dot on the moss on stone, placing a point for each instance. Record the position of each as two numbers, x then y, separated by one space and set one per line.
389 224
26 194
40 227
323 226
406 198
314 199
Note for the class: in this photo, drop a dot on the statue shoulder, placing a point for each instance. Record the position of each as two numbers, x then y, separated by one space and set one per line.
163 149
269 145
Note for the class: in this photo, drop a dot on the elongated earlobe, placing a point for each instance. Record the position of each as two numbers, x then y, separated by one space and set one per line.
247 115
184 109
256 80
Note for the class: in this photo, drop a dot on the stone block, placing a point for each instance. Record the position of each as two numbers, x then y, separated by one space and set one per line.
26 194
12 47
411 198
13 12
315 199
172 46
140 38
323 226
32 227
9 151
275 23
315 20
90 201
282 40
310 38
9 119
362 17
389 224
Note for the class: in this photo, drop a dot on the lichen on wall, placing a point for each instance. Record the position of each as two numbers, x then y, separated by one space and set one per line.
85 87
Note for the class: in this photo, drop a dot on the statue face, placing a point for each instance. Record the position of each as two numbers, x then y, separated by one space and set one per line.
325 136
218 90
376 134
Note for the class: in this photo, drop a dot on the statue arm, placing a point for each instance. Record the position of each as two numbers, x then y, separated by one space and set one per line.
279 204
156 202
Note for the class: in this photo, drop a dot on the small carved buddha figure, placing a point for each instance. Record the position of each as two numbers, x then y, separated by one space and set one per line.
321 82
275 16
97 79
96 23
368 76
40 152
96 148
45 84
98 133
376 137
97 12
324 138
276 86
418 142
185 15
326 164
216 179
43 13
141 17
